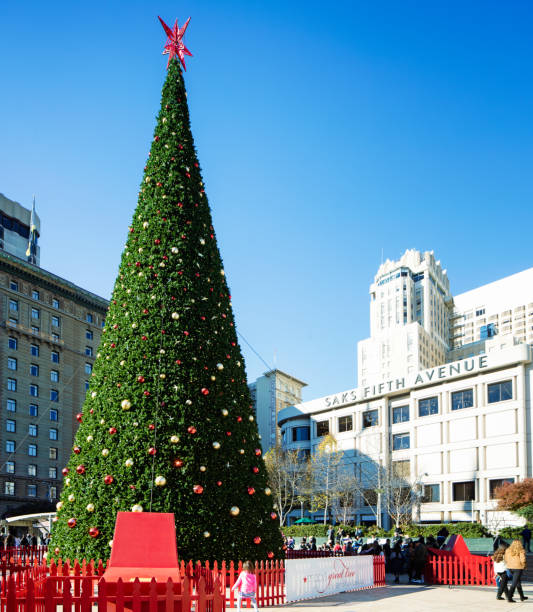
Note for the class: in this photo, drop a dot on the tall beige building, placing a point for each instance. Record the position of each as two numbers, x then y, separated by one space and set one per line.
49 334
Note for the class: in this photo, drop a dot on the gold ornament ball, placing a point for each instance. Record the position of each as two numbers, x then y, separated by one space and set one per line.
268 491
145 224
137 508
216 445
225 412
128 463
105 452
175 316
90 508
123 363
234 510
110 543
174 439
125 404
59 505
175 250
207 534
67 481
160 481
220 366
89 438
203 468
93 394
162 376
213 378
71 497
102 421
241 451
251 418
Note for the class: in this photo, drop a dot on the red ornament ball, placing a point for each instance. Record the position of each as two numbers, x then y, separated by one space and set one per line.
205 391
219 483
71 523
228 433
178 463
79 417
198 489
258 452
239 419
77 450
255 470
152 450
112 431
56 550
80 469
273 516
64 471
251 490
94 532
140 379
108 479
151 427
257 540
191 429
270 555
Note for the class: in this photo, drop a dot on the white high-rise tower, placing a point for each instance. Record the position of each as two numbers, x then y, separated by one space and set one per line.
410 308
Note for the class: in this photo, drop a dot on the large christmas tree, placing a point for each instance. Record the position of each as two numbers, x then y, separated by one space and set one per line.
167 425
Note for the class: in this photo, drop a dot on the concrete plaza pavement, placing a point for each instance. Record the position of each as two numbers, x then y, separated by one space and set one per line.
413 598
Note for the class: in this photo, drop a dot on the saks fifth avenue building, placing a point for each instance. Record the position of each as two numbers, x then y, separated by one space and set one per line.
459 430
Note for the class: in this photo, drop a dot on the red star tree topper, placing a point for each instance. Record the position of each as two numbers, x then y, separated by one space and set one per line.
174 45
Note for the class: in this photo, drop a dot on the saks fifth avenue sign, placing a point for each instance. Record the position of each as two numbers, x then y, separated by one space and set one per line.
438 373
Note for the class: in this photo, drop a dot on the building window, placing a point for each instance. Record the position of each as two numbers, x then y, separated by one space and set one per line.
401 469
32 450
400 414
88 334
495 484
11 405
102 323
427 406
35 330
499 392
12 322
32 490
54 356
54 414
52 472
32 469
52 453
32 430
11 426
322 428
34 369
54 395
370 418
13 305
13 285
55 321
10 446
462 399
89 351
464 491
12 344
54 375
9 488
34 390
11 384
89 317
55 303
35 313
345 423
10 467
53 434
430 493
35 294
300 434
400 441
34 410
34 350
88 368
52 493
55 337
86 385
11 363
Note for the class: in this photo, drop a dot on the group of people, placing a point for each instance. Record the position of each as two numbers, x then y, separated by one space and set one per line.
9 540
509 564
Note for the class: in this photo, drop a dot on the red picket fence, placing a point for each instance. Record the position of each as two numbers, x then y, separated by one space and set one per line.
23 555
452 569
379 571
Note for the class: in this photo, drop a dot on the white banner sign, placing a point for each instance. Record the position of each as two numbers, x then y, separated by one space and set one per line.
308 578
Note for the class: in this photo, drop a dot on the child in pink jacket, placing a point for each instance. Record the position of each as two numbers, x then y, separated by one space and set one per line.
246 585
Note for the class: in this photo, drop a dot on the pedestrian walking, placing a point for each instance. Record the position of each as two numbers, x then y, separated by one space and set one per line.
500 571
246 585
396 561
515 558
526 537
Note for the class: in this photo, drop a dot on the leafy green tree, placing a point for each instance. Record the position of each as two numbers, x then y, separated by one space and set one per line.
167 424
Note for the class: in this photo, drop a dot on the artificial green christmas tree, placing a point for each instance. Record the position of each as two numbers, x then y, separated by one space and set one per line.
167 425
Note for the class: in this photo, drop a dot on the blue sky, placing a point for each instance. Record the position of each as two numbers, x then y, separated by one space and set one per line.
326 135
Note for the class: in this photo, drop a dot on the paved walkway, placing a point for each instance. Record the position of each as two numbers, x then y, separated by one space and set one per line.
413 598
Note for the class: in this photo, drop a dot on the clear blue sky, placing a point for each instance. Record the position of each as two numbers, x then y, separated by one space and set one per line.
326 133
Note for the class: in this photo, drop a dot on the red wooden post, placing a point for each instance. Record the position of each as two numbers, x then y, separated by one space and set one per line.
201 595
67 595
218 599
185 595
11 600
30 596
136 595
169 596
119 605
102 596
49 605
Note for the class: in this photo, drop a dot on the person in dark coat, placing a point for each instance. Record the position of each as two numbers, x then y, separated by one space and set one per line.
526 538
